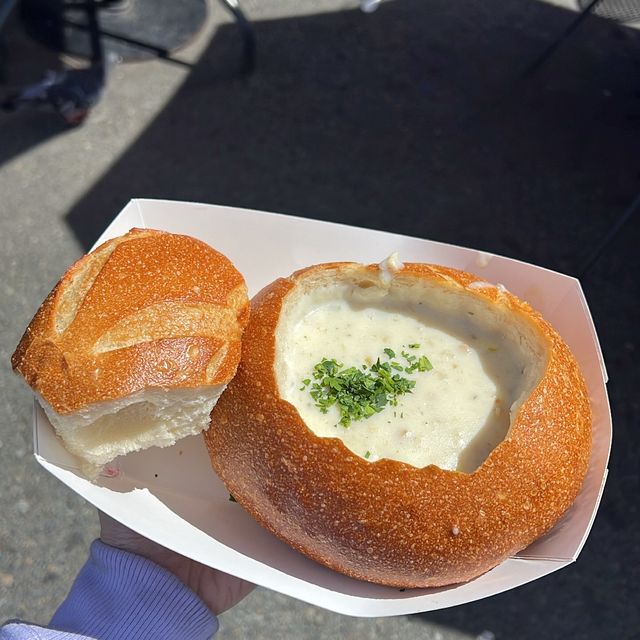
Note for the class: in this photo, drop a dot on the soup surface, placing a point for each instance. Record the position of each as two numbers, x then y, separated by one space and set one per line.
457 412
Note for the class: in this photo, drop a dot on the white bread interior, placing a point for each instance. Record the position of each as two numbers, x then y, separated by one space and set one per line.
100 432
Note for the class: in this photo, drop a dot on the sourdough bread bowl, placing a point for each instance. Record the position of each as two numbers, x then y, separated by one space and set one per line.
135 344
417 500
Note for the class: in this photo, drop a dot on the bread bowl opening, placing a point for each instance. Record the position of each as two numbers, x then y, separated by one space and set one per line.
469 364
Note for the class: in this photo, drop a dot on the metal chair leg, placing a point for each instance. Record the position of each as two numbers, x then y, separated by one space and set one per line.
248 35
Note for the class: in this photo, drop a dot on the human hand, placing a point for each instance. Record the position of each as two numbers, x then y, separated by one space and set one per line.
219 591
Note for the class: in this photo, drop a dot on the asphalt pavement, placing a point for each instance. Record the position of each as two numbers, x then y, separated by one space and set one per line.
422 118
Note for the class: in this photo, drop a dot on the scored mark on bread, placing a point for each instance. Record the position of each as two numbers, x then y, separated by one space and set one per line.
169 320
83 275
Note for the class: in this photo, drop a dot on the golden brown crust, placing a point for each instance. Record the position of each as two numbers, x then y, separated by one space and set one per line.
386 521
147 309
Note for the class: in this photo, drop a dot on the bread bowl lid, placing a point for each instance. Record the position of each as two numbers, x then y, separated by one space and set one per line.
173 496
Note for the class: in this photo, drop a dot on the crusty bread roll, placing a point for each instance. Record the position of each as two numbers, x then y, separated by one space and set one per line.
385 520
134 345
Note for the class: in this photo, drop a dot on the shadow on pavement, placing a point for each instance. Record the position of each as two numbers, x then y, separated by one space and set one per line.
389 121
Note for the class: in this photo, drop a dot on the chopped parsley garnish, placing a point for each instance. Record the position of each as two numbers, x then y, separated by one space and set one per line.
359 392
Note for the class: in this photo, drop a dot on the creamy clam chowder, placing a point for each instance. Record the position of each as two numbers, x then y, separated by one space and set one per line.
457 412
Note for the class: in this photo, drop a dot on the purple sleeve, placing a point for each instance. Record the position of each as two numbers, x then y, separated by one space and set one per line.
119 595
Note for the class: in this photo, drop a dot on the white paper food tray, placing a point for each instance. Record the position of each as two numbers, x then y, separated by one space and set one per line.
172 495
